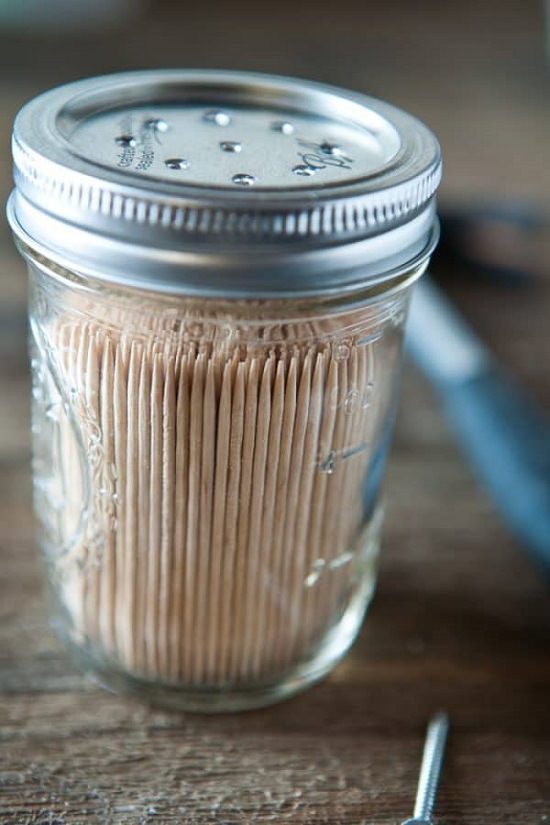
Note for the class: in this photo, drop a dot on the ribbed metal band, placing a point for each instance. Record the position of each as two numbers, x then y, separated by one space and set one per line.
364 214
101 190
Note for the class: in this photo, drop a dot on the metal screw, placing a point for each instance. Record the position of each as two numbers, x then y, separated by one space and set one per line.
430 770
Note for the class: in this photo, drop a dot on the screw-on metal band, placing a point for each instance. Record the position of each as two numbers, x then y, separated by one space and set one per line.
223 180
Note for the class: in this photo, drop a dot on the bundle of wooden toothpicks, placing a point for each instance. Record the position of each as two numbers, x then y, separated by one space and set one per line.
222 477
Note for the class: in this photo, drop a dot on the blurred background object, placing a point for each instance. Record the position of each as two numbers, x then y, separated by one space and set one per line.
498 241
461 619
502 433
64 16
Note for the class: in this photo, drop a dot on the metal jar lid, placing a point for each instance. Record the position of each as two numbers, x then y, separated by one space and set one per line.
223 183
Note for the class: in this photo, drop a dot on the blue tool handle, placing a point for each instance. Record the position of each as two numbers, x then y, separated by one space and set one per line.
505 437
508 446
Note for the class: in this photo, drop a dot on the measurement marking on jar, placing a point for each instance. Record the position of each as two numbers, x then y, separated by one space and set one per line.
340 561
319 566
353 398
351 451
328 463
350 400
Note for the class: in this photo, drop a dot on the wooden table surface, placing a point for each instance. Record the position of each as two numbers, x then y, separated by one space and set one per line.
461 620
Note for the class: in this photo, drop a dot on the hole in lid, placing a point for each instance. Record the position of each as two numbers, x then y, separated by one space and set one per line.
218 117
157 124
231 146
243 179
125 140
176 163
328 148
283 126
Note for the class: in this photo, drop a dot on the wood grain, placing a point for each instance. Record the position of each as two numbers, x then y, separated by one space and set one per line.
460 619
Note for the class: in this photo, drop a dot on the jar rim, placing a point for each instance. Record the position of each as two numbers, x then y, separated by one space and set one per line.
319 305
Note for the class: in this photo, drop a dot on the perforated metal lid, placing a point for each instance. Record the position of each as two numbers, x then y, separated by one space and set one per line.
223 182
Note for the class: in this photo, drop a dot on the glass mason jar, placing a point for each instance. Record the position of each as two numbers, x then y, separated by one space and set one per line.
212 408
